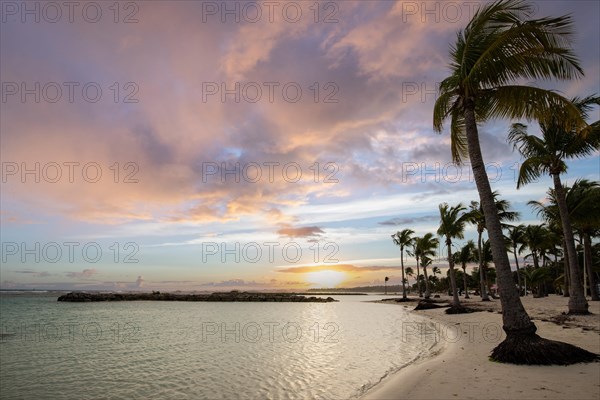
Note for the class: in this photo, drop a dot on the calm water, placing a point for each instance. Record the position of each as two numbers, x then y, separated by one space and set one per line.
199 350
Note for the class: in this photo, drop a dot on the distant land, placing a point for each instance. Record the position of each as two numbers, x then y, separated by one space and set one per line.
365 289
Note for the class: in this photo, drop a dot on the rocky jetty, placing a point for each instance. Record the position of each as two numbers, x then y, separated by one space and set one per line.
218 296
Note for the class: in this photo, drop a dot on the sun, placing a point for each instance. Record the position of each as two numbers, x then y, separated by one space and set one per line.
326 279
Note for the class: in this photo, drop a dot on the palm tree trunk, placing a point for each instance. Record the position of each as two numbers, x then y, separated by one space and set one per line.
544 283
518 271
427 292
536 265
402 266
516 321
455 299
566 271
577 302
418 279
464 267
484 294
587 248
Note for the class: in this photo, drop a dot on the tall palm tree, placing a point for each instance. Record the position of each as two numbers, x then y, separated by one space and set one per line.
547 155
535 277
465 256
502 45
485 258
452 225
425 249
535 238
410 273
550 214
403 239
477 217
425 262
515 238
583 205
583 202
415 253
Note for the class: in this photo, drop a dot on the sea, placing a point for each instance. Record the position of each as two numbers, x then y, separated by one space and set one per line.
202 350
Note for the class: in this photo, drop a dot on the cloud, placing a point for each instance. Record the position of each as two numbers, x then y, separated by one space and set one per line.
336 267
232 283
398 221
307 231
33 273
85 274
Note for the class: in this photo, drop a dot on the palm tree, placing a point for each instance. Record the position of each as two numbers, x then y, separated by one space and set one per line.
550 214
535 277
403 238
385 283
464 256
452 225
425 262
409 272
485 258
534 238
547 155
500 46
515 238
425 249
477 217
583 202
415 253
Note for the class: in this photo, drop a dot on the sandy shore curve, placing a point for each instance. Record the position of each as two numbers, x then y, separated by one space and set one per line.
462 369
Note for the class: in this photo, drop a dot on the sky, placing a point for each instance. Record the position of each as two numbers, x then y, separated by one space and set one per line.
188 145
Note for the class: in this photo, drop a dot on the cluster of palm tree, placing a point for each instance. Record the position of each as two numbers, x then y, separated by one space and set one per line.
453 221
501 46
583 210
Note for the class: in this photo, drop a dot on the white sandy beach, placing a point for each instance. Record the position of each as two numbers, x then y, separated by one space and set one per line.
462 370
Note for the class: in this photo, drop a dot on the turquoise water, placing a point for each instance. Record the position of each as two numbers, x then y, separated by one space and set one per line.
199 350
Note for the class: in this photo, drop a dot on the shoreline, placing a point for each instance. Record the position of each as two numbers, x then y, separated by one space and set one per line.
461 368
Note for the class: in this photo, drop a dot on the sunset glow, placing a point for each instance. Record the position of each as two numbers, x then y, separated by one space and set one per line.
326 279
133 159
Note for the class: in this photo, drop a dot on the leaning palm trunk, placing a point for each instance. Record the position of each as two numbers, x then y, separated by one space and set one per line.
516 320
587 248
464 267
577 302
518 270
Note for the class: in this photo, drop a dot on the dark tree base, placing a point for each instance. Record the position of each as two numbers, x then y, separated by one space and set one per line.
530 349
579 313
428 305
404 300
459 310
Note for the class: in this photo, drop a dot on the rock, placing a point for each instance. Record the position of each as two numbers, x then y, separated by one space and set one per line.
220 297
